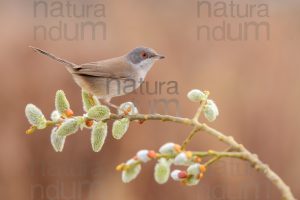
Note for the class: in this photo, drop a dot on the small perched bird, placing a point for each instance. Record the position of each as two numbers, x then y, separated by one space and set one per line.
111 77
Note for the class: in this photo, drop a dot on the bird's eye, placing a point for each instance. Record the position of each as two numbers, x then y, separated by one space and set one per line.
144 55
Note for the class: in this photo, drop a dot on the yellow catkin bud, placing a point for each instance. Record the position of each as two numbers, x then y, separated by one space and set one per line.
206 92
210 151
177 148
201 175
197 159
189 154
120 167
203 168
30 130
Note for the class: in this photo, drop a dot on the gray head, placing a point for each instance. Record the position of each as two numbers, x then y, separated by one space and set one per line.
143 55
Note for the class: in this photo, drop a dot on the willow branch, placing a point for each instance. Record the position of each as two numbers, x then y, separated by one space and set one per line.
241 153
229 140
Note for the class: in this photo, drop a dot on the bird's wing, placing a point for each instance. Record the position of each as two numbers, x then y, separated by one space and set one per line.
111 68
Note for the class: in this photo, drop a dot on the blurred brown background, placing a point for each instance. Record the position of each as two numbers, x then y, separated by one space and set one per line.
255 83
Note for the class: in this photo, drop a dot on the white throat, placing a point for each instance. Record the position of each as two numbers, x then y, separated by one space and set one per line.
143 67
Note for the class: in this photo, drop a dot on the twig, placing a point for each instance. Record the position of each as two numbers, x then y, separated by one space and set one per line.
189 137
225 152
202 104
195 119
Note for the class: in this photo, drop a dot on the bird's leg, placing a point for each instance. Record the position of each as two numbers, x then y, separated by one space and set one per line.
107 102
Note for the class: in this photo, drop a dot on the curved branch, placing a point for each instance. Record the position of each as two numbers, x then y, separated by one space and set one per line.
229 140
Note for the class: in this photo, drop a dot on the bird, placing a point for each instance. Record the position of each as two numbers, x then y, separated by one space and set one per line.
111 77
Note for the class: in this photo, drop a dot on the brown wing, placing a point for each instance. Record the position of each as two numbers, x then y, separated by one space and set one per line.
110 68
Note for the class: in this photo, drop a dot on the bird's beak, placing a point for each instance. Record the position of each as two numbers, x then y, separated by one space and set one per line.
159 56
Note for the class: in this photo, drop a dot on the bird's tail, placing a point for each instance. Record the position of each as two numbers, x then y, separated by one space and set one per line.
65 62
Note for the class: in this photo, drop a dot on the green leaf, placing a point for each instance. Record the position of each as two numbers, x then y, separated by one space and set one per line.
61 102
211 111
69 127
196 95
120 127
57 141
132 172
99 113
162 171
98 136
35 116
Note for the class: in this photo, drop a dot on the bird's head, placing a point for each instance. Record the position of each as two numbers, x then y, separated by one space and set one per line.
143 57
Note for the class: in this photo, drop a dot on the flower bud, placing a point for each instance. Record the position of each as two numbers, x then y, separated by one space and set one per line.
61 102
89 123
196 95
120 167
68 127
162 171
98 136
132 171
127 108
99 112
69 113
211 110
35 116
152 154
182 159
194 169
57 141
120 127
178 175
55 116
143 155
88 101
169 148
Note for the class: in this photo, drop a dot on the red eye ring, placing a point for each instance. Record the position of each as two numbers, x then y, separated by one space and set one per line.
144 55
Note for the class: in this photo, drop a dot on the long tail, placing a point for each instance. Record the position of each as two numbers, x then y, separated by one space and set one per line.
65 62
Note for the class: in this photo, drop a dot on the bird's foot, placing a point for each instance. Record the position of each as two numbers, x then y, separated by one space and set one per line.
111 104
